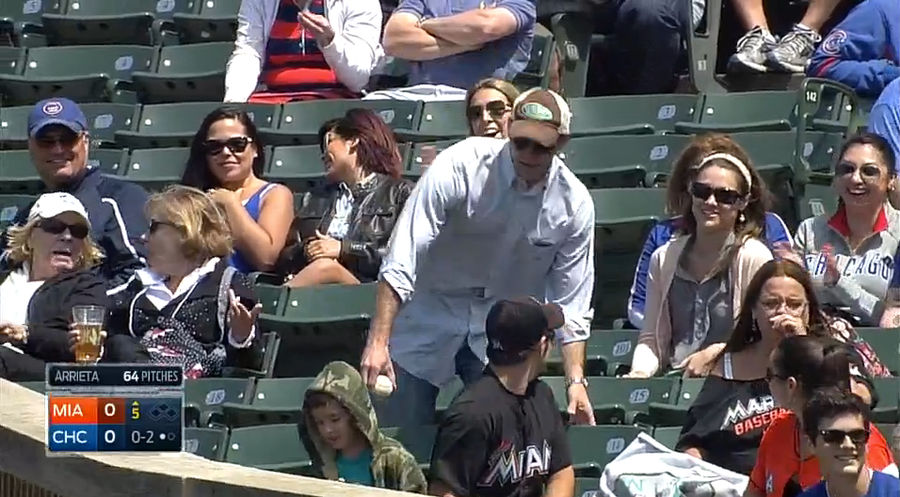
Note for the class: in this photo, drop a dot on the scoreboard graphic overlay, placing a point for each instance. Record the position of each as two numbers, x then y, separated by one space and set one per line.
114 408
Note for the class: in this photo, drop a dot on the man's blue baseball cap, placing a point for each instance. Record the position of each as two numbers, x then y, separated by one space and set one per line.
61 111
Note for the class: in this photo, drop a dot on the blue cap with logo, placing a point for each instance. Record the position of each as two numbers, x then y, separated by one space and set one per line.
61 111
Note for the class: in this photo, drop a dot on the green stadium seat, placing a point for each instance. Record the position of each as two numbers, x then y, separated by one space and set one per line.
203 398
185 73
321 324
206 442
299 121
606 352
773 157
888 400
667 435
440 121
418 440
156 168
299 167
275 400
886 344
88 22
816 200
745 111
421 154
81 73
20 18
272 447
446 396
593 447
632 114
103 120
174 124
536 72
216 21
618 400
10 204
675 413
12 60
622 161
272 297
271 342
587 487
624 216
109 160
17 174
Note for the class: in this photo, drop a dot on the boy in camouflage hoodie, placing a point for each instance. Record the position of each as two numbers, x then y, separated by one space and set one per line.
342 424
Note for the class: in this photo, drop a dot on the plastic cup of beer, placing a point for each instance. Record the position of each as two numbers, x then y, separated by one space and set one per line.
89 321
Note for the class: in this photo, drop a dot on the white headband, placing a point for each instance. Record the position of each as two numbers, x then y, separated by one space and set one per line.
734 161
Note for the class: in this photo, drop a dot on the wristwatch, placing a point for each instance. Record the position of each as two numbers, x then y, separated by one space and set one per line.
576 381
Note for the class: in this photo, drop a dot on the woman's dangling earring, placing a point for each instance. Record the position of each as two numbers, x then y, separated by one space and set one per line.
742 219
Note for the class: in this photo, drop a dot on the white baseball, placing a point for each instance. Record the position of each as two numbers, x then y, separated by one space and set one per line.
384 387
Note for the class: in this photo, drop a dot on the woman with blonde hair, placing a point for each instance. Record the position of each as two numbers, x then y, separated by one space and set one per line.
489 106
52 257
189 307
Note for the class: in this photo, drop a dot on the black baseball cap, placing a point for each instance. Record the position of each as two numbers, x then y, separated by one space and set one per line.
516 325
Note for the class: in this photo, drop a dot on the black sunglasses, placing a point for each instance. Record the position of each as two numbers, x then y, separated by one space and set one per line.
154 225
236 144
725 196
55 227
66 139
496 109
526 143
836 437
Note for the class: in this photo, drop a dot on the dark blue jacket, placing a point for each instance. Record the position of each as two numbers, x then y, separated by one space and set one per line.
775 231
863 51
115 208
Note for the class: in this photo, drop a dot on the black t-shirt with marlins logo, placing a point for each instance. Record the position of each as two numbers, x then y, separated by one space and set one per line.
494 443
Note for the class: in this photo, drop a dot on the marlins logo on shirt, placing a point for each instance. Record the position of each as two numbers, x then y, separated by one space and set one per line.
758 412
507 465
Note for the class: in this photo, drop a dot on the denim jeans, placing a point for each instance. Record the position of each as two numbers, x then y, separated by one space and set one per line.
413 401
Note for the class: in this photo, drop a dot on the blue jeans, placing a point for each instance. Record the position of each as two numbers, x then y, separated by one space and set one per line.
413 402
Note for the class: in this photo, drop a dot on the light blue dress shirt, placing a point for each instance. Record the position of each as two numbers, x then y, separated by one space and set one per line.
469 236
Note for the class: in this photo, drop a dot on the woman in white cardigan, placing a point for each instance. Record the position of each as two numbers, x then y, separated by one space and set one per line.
697 280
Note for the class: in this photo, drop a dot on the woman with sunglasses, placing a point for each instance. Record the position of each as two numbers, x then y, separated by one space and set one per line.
785 463
189 307
341 229
227 160
677 196
488 107
850 253
52 256
697 280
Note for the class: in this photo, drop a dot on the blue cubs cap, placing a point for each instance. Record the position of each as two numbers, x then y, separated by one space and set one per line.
61 111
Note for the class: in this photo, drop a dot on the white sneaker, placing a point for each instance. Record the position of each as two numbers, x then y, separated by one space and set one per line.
751 53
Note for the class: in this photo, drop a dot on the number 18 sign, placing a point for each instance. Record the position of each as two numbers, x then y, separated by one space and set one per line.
114 408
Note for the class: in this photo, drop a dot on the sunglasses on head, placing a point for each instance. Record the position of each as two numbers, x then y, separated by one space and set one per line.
868 172
725 196
496 109
236 144
527 143
836 437
55 227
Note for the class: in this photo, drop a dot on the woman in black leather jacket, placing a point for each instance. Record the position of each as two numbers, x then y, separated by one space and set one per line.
341 229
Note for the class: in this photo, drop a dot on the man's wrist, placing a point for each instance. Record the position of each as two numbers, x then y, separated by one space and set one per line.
576 380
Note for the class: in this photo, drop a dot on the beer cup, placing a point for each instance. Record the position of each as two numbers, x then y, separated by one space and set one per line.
89 321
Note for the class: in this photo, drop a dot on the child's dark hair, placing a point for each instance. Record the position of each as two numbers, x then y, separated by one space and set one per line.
815 362
319 399
829 403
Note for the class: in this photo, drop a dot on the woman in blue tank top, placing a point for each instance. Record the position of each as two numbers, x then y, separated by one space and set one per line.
226 160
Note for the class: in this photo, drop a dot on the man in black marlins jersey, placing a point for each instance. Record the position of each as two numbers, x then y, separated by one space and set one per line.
504 436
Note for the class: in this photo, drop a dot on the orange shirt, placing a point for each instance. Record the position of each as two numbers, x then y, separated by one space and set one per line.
778 459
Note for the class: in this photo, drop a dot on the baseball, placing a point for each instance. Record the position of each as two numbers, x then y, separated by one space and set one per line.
384 387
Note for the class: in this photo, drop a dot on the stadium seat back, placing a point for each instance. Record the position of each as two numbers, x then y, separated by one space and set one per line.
632 114
744 111
886 344
300 121
205 396
667 435
272 447
325 303
115 61
773 156
612 161
888 389
300 167
110 21
272 298
216 21
155 168
110 161
17 173
820 149
593 447
186 73
12 60
817 200
587 487
631 395
206 442
442 120
28 11
418 440
421 155
281 392
194 58
614 347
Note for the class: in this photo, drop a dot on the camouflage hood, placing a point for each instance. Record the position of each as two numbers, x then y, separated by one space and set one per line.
392 466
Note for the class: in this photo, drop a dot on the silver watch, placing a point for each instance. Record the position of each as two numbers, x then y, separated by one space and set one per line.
576 381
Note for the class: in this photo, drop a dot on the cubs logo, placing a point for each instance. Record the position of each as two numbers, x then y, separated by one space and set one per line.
832 45
52 108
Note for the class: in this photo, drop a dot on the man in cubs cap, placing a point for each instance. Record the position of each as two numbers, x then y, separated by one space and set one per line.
56 111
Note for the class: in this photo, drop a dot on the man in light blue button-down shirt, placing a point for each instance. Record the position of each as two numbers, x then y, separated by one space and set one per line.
490 219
